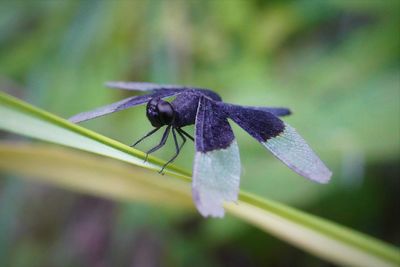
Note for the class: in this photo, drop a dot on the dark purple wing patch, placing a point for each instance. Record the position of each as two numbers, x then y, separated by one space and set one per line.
262 125
273 110
212 128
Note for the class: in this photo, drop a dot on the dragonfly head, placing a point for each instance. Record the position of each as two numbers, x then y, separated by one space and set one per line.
160 112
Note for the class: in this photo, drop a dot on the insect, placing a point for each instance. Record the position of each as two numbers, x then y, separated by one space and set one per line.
216 169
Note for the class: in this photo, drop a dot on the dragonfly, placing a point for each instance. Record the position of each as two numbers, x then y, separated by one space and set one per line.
216 167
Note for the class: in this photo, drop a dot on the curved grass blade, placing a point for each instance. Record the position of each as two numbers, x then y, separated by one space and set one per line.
320 237
327 240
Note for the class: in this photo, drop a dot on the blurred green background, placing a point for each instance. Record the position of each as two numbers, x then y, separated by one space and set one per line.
335 64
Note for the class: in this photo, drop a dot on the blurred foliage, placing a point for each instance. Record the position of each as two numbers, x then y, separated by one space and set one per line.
334 63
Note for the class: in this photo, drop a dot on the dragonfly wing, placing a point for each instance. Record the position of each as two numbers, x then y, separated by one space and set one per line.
216 170
118 106
145 86
277 111
282 140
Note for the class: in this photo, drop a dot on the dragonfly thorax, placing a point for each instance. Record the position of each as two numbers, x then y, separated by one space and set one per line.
160 112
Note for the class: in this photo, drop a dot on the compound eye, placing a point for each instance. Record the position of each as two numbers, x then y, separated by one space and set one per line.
153 102
166 112
152 109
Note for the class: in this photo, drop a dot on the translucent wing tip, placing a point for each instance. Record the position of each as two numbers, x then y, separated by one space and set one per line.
74 119
216 176
206 205
291 148
321 175
79 117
